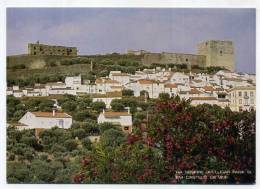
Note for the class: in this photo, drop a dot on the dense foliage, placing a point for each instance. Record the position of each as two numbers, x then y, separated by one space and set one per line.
172 142
177 141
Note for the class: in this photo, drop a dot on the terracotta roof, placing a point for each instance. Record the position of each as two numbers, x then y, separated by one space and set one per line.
116 114
203 98
108 94
197 80
50 114
120 74
208 88
145 81
98 80
194 91
170 85
218 89
111 81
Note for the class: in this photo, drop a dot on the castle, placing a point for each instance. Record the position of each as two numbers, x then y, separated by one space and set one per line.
209 53
50 50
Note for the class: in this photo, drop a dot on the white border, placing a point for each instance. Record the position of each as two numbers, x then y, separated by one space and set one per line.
111 3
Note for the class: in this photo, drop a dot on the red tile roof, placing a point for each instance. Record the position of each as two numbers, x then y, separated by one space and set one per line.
203 98
194 91
116 114
170 85
50 114
145 81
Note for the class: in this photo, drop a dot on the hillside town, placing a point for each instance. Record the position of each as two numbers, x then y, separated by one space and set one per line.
224 88
130 96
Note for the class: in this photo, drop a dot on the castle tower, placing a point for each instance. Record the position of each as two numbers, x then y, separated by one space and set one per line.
218 53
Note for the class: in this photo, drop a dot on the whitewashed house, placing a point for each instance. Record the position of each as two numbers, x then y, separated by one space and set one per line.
9 91
16 88
45 120
203 100
124 119
171 89
104 85
73 82
154 88
242 98
18 93
179 77
86 89
122 78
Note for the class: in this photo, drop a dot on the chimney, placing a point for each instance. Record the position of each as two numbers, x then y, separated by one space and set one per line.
128 110
53 112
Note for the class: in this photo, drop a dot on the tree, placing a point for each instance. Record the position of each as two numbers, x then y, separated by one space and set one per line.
98 106
111 138
117 105
71 144
164 96
79 133
86 143
69 106
105 126
127 92
177 137
144 92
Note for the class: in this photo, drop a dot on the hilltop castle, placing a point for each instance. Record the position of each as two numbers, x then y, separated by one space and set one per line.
50 50
209 53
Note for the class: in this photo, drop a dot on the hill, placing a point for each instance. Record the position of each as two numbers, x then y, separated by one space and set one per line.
21 69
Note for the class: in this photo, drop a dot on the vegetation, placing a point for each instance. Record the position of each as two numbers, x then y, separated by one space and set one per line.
169 137
177 139
28 70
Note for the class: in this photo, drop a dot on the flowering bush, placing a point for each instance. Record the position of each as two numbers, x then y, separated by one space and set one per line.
179 144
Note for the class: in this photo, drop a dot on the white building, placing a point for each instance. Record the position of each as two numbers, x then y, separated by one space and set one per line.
124 119
73 82
242 98
203 100
178 77
171 89
122 78
104 85
46 120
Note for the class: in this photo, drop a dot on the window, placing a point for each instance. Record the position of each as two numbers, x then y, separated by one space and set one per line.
220 52
252 101
246 102
187 59
239 93
240 108
61 122
245 93
251 93
126 128
240 101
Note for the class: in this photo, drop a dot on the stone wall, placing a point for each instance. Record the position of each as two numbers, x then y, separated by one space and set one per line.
218 53
174 58
41 49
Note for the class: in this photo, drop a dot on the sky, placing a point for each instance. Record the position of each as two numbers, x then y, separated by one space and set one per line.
107 30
